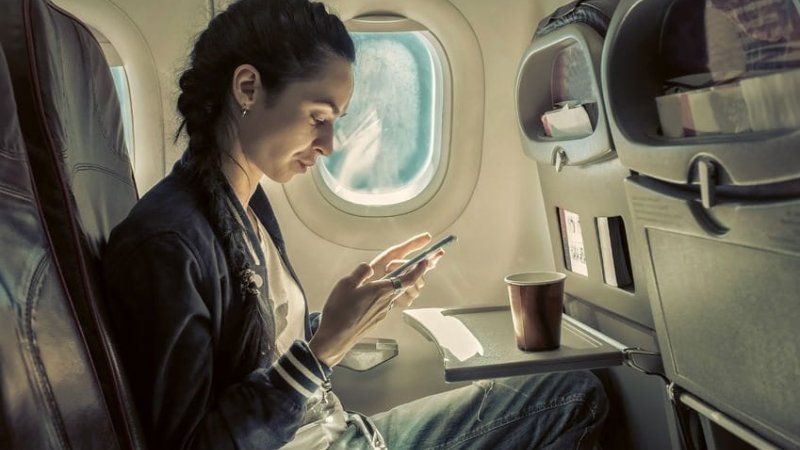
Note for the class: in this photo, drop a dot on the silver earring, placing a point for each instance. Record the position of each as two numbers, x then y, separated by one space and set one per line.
244 111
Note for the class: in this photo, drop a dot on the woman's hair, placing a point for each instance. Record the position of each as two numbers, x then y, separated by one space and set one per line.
287 41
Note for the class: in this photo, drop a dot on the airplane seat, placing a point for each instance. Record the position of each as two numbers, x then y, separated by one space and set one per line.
50 396
69 118
715 200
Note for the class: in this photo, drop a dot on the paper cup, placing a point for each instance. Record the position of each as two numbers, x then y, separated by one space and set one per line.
537 300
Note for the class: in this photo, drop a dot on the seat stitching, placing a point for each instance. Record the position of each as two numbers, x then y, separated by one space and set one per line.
40 372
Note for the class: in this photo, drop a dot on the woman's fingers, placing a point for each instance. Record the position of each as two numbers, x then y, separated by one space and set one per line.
399 251
413 244
434 259
411 294
361 273
394 264
412 282
408 297
410 278
385 286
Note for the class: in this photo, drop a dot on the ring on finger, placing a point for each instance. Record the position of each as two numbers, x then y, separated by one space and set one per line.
397 285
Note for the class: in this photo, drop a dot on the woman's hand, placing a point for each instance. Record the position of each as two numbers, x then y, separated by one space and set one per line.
362 299
394 257
353 308
397 253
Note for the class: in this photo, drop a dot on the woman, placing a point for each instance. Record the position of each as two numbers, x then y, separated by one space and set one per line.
212 323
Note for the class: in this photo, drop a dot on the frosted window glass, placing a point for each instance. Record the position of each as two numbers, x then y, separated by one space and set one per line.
386 149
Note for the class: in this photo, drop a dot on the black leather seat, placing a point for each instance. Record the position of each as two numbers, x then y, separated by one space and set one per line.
50 395
70 123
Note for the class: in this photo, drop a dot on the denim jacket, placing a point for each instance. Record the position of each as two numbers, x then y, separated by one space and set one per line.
176 321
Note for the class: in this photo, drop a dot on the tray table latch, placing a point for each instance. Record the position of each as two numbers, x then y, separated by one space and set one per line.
560 158
707 174
644 361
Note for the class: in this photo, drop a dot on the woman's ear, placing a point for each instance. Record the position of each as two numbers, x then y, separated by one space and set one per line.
246 84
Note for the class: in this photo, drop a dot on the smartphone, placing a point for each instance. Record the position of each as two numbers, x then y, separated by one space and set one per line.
423 255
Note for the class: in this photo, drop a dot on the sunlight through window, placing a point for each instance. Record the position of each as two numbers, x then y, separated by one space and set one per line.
123 94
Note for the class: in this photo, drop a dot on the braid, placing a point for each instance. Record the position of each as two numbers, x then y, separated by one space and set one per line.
201 166
287 41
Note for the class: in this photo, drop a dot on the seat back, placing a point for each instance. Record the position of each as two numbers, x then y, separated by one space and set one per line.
70 121
50 395
715 215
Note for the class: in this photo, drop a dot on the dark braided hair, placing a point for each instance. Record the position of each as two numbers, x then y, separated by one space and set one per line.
286 41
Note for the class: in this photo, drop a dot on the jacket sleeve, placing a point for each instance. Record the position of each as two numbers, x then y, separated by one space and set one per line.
165 312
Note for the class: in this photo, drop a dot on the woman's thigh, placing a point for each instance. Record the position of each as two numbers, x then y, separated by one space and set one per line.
554 411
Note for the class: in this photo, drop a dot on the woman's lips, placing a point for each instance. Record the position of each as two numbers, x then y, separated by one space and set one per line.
305 165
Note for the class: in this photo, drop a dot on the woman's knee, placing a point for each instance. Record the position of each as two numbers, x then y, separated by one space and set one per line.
566 409
582 388
594 394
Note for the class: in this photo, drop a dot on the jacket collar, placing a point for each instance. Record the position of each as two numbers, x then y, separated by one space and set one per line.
263 209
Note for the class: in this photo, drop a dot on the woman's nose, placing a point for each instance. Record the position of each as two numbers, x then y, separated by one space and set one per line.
324 142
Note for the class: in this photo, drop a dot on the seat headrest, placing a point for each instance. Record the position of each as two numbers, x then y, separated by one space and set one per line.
70 106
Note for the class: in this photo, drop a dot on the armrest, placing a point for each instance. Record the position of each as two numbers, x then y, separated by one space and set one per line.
369 353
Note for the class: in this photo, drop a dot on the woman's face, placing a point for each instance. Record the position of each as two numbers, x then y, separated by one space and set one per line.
287 136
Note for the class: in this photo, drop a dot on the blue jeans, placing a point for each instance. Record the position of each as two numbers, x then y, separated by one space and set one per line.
553 411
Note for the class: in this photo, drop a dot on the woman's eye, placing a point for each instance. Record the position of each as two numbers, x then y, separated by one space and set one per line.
318 121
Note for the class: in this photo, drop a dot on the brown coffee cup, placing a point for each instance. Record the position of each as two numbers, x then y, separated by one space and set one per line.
537 300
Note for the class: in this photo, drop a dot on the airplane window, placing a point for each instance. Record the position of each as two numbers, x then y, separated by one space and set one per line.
123 94
387 149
